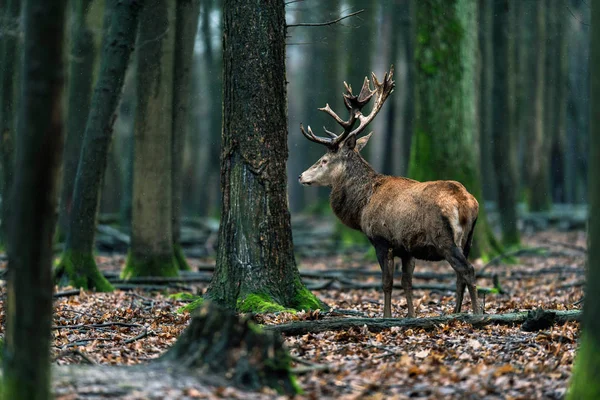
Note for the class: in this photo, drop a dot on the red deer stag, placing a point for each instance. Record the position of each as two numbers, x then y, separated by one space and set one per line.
401 217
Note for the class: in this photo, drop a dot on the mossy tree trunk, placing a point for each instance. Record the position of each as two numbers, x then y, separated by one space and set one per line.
34 193
584 382
255 260
151 252
82 55
9 34
78 267
445 141
504 153
185 35
539 181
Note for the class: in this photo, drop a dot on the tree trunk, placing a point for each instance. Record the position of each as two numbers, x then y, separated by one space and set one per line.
32 221
185 35
78 267
584 382
9 34
525 88
151 252
81 69
488 177
539 182
255 267
503 129
445 140
559 139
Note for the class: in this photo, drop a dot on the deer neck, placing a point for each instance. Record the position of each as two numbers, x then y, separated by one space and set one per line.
351 192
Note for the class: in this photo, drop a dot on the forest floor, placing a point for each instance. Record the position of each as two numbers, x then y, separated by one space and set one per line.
453 361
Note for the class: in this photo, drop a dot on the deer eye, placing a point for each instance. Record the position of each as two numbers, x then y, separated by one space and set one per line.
323 162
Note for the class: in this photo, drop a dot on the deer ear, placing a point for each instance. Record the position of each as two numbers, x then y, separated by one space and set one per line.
350 142
360 143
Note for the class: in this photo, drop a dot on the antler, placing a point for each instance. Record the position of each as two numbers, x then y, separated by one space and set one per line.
355 104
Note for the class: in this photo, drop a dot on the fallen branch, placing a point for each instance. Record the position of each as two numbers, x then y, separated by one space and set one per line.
74 352
325 23
94 326
378 324
516 253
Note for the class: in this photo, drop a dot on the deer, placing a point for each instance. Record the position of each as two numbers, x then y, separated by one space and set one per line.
401 217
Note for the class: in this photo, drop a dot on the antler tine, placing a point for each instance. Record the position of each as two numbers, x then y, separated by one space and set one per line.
313 138
365 93
333 135
344 124
382 91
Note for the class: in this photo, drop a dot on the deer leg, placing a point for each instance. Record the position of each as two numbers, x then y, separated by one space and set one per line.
385 256
460 291
408 266
465 277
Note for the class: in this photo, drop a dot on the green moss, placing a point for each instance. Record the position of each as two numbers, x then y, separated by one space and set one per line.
197 303
184 296
79 270
584 382
182 263
150 266
260 303
306 300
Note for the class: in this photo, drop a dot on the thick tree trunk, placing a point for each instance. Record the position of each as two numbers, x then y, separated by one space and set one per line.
81 68
185 35
32 221
9 34
539 182
78 267
503 129
584 383
445 142
255 267
151 252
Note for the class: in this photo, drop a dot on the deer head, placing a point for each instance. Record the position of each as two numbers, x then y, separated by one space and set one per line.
345 146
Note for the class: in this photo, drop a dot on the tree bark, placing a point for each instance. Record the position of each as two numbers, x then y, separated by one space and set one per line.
32 221
539 182
78 267
185 34
9 34
255 261
81 69
487 66
503 129
584 382
378 324
445 142
151 252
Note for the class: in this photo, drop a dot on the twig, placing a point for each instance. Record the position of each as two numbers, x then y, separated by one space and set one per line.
138 337
76 353
93 326
567 245
67 293
325 23
515 253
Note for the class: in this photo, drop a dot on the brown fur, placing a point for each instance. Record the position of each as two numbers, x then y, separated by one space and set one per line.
401 217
